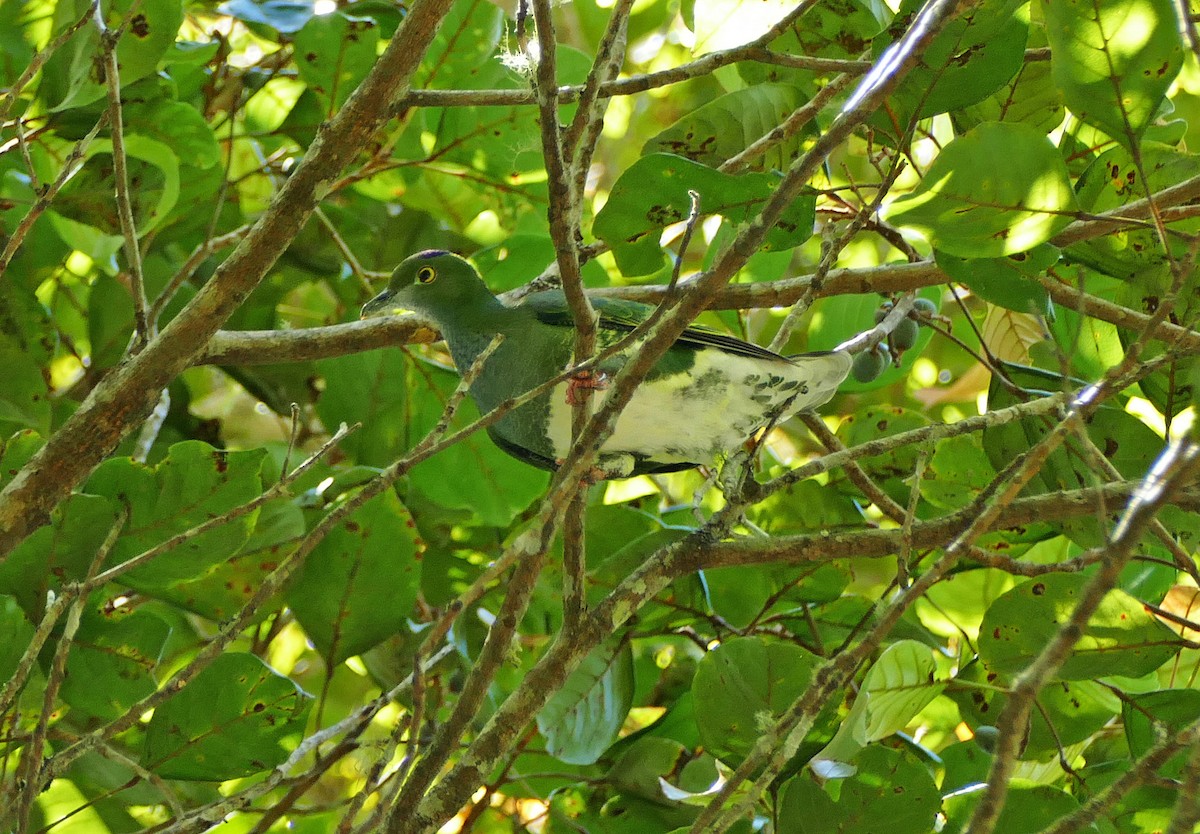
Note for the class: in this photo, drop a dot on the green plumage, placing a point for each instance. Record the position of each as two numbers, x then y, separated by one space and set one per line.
705 396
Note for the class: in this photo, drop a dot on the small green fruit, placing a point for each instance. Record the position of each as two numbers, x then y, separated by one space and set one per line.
904 336
868 365
923 307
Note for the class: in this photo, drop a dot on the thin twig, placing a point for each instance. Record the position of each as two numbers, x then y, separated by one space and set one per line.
152 426
347 253
559 150
48 193
792 125
39 59
199 255
143 327
1176 467
1099 805
829 257
32 774
277 490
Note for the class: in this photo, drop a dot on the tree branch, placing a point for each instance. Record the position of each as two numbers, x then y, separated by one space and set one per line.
128 394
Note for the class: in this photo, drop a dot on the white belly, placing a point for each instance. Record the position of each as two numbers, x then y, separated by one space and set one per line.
693 417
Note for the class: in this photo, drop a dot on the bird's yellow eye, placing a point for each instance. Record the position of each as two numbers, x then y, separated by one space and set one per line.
426 274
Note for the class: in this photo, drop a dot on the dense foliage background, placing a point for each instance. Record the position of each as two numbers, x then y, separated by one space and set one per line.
961 599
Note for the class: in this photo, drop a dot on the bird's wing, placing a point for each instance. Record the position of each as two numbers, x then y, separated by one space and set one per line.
550 308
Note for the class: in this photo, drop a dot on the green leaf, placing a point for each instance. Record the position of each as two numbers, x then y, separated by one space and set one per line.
1135 253
804 507
741 686
121 651
966 764
177 126
1000 189
228 722
647 760
153 169
1093 346
897 687
653 193
684 594
358 585
727 125
978 51
1030 98
514 261
1127 442
736 595
1007 281
17 631
957 472
1068 712
73 73
1026 808
334 52
14 45
837 29
86 238
1171 387
369 388
1149 716
581 720
465 42
398 401
26 346
494 485
15 452
957 606
894 467
59 552
192 485
888 786
221 593
1121 639
1114 59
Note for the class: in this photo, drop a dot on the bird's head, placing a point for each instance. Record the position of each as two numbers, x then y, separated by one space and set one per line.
433 283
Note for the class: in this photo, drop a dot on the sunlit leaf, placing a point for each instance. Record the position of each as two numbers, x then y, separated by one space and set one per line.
1114 59
897 687
334 53
150 27
999 190
653 193
723 128
1121 638
122 649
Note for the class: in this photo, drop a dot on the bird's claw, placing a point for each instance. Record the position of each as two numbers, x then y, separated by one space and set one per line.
590 380
593 476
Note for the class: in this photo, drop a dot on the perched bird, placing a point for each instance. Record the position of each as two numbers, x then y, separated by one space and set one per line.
704 397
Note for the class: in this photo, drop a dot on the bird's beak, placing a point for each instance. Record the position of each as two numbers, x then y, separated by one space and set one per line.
377 306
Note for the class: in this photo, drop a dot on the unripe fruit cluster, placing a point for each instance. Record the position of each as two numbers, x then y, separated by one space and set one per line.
869 364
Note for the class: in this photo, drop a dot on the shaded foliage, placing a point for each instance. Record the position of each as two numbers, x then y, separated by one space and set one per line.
964 597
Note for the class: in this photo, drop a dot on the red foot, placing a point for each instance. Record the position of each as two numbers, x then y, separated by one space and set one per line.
591 380
590 478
